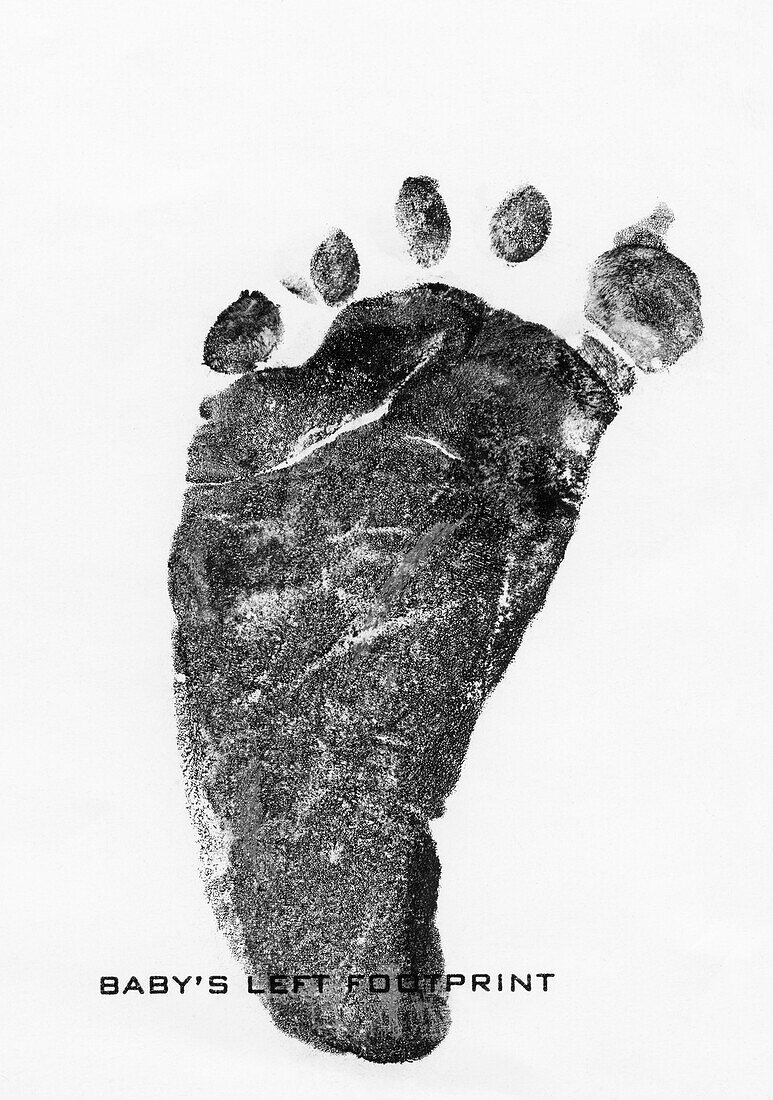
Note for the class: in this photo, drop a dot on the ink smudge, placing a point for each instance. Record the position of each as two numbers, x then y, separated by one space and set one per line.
300 288
649 231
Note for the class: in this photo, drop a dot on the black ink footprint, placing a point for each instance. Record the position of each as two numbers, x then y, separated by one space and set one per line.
364 540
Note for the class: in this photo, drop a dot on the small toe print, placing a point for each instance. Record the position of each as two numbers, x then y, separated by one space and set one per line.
422 218
244 334
335 268
520 225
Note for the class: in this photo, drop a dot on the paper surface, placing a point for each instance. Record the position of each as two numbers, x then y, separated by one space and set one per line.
612 824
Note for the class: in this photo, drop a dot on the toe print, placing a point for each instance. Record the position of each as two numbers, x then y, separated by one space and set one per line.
335 268
520 225
244 335
364 540
422 218
643 298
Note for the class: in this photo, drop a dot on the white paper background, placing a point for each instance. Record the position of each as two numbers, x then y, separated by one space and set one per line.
613 819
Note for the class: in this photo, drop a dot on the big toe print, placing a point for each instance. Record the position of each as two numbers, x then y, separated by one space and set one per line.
364 540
